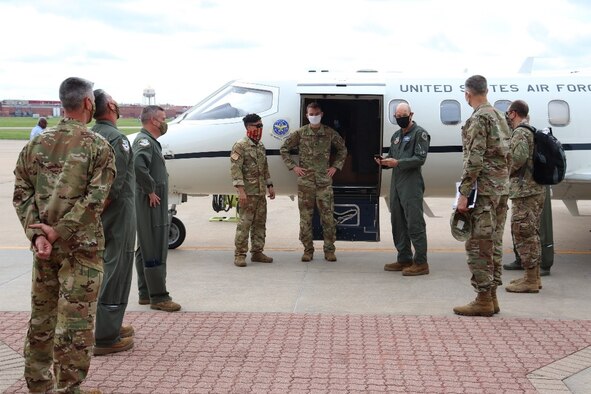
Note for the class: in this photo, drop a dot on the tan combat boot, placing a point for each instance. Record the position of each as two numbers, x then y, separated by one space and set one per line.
240 261
260 257
308 255
493 295
166 306
521 280
528 285
416 270
397 266
330 256
538 276
126 331
481 306
121 346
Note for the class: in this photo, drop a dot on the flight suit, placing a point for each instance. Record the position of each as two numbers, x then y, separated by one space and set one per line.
486 158
406 193
315 187
249 168
152 223
119 226
62 179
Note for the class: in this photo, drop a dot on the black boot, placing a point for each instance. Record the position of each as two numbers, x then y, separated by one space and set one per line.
544 271
516 265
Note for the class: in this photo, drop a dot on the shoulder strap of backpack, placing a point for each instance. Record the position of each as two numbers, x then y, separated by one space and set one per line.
525 166
529 127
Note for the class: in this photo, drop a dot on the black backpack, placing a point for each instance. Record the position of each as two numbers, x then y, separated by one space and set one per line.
549 157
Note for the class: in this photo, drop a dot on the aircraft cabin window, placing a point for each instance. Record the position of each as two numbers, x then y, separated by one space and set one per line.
450 112
558 113
502 105
233 102
392 109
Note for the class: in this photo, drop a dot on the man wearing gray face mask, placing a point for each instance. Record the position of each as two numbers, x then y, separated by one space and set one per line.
408 152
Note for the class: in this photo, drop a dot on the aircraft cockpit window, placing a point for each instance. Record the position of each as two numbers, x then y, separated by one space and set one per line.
233 102
558 113
392 109
502 105
450 112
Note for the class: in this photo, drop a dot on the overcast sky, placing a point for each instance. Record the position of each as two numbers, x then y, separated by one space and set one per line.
187 48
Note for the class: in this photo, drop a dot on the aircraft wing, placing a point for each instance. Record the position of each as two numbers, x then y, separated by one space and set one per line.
575 186
581 175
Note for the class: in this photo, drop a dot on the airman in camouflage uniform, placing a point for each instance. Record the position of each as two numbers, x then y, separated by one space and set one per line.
119 225
315 173
527 200
151 205
485 139
408 152
62 179
250 176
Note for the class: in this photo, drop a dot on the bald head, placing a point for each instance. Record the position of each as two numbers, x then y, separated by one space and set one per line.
402 109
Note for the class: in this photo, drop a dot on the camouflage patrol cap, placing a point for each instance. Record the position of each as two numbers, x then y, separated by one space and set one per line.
460 225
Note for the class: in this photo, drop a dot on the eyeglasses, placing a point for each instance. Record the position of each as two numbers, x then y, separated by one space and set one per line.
258 125
508 112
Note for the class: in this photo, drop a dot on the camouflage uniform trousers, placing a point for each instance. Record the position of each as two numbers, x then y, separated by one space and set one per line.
322 198
63 306
498 242
253 220
484 248
525 228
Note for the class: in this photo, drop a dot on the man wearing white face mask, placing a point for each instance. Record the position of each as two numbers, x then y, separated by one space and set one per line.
315 172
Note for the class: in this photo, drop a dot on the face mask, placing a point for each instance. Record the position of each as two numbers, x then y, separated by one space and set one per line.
163 128
403 121
91 113
116 110
255 134
315 120
467 96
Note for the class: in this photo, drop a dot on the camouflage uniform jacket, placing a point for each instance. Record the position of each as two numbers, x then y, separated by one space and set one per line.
62 179
249 167
486 139
314 151
522 152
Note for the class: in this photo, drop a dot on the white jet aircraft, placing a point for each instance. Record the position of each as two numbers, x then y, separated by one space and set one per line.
360 106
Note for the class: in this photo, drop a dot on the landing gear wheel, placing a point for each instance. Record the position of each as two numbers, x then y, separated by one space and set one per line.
176 234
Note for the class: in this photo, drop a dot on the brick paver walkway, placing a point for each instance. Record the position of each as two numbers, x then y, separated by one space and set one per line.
302 353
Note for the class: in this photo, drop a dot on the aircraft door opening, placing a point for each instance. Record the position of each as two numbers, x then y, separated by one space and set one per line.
358 119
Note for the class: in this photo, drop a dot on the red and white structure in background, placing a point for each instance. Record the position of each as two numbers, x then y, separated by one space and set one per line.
51 108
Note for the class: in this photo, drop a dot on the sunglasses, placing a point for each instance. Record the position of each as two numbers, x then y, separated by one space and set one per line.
258 125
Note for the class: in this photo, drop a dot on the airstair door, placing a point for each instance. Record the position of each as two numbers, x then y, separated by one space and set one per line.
358 119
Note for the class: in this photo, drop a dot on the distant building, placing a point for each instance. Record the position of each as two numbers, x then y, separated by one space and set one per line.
49 108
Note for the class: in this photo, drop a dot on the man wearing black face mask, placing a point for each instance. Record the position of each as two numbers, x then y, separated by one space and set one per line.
151 207
119 225
408 153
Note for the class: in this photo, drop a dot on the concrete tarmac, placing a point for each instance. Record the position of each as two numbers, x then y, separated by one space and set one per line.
203 279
